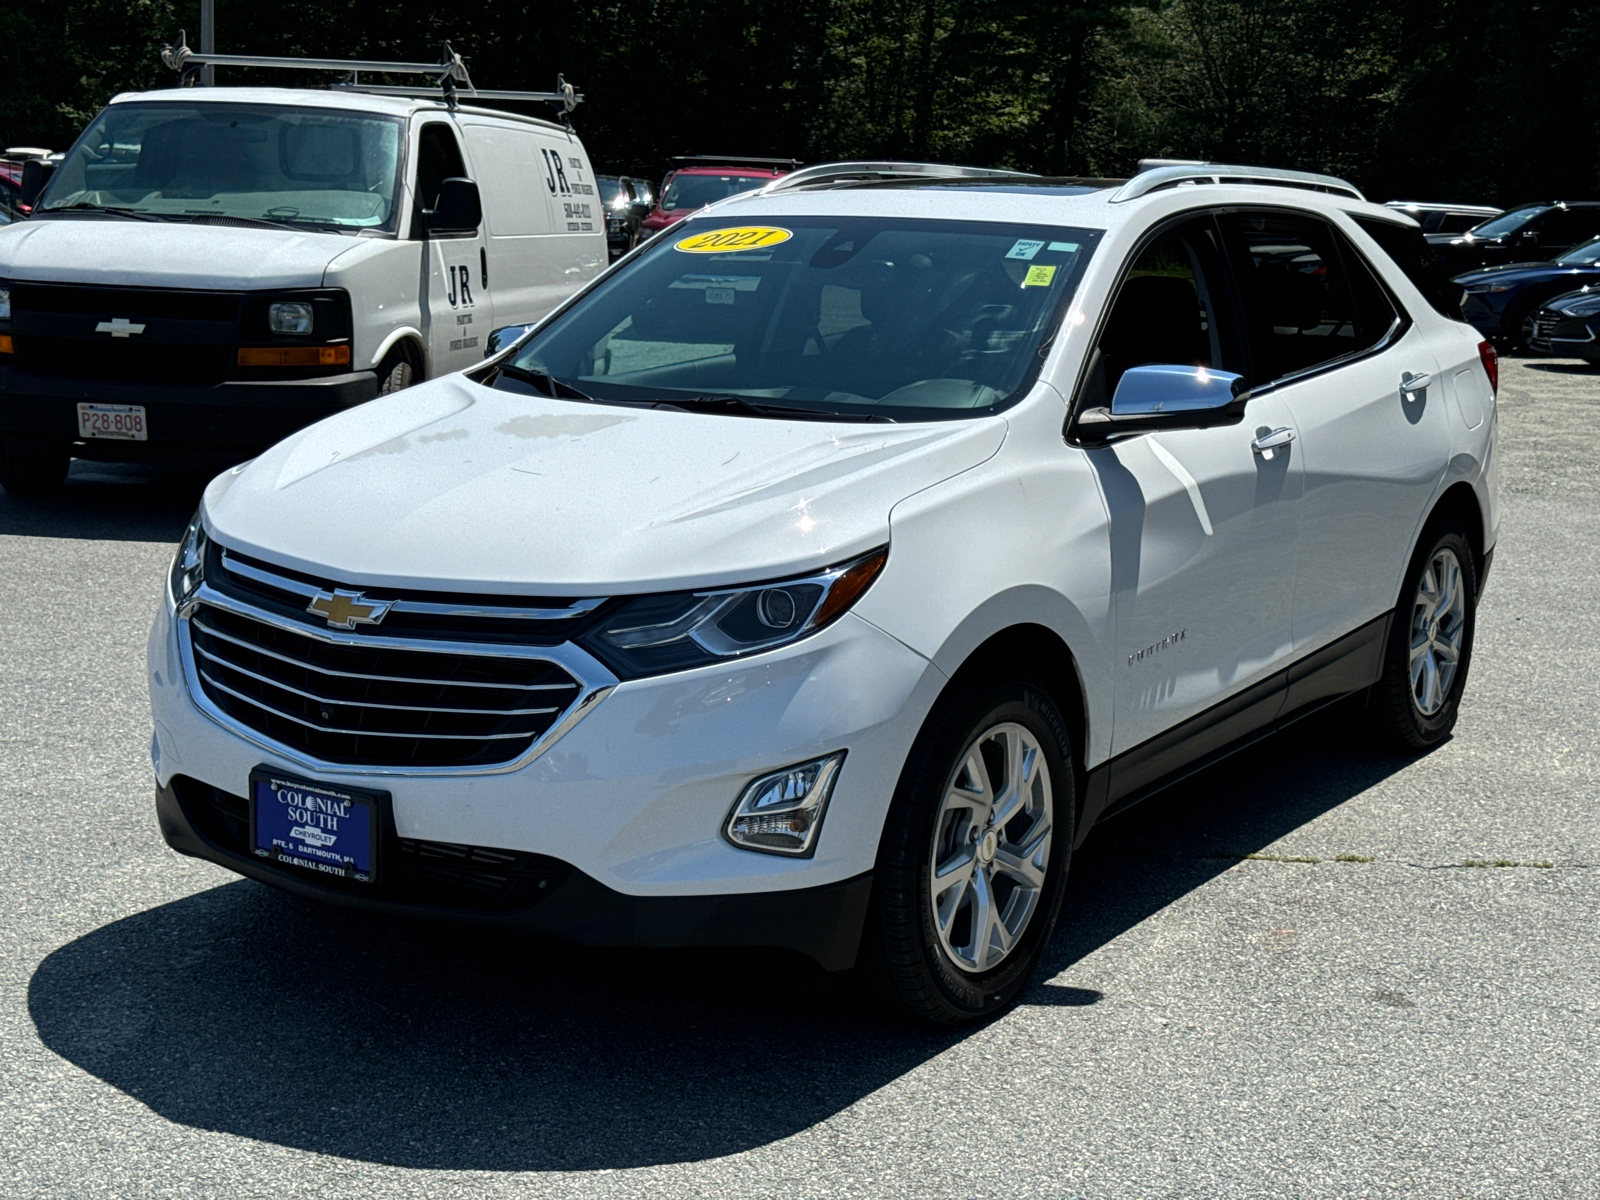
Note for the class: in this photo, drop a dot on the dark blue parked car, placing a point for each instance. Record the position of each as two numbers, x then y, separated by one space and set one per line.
1501 301
1569 326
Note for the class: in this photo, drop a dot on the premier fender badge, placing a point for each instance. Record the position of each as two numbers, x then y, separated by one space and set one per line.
728 241
346 610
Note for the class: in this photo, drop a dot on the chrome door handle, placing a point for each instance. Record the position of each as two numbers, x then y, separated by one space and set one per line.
1268 442
1411 384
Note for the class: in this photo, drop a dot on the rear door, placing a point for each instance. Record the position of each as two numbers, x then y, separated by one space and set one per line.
546 229
1331 343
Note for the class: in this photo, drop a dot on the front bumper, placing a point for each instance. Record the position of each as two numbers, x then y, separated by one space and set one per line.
241 416
631 799
1566 337
1485 311
822 922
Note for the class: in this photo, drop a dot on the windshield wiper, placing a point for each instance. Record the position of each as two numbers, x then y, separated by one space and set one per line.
739 405
85 206
549 384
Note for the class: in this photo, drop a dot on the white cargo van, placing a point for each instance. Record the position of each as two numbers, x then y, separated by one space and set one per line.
210 269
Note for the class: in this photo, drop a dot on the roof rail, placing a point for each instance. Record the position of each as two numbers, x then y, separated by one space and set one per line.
723 160
839 173
1158 178
451 81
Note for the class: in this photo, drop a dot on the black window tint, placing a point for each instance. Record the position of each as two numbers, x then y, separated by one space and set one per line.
1171 308
1376 310
1568 227
1411 253
438 159
1300 311
1454 223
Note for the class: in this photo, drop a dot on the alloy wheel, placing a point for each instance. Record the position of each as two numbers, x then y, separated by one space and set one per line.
991 847
1438 625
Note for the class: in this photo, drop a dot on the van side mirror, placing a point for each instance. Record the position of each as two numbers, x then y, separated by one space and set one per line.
459 208
1166 396
36 173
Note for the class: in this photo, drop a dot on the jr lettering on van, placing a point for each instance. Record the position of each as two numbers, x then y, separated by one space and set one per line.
460 293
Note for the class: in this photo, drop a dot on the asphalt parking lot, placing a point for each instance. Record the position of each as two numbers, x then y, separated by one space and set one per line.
1310 971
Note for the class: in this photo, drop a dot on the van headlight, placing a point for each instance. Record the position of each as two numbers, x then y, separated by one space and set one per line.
5 304
289 316
188 569
675 631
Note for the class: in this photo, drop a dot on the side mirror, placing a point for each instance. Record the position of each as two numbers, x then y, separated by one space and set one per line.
459 208
36 173
1166 396
499 339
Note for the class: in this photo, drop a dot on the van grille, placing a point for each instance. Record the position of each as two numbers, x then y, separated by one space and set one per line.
185 335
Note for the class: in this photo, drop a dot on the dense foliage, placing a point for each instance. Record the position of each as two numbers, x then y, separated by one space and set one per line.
1489 100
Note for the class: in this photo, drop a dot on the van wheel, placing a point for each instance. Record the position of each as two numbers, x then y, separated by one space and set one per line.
396 372
1415 703
32 468
973 863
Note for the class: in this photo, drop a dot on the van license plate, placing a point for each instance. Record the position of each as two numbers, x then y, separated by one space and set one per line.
123 421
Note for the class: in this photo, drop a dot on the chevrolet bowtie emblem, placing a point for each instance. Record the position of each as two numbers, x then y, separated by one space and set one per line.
121 327
346 610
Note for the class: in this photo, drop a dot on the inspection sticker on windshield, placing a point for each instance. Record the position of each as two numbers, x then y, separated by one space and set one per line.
724 241
1038 277
1024 249
1065 247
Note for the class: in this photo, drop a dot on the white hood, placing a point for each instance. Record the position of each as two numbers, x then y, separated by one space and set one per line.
113 251
454 486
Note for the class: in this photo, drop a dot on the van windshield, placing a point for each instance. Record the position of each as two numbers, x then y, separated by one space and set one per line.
860 316
284 164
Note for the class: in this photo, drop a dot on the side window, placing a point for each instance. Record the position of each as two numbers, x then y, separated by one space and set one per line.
438 158
1171 308
1301 309
1568 227
1411 253
1376 310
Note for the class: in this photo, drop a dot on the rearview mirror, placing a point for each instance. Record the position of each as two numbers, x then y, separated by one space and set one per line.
36 173
1167 396
459 209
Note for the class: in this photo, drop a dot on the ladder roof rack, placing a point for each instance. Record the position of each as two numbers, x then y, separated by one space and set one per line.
451 81
1161 177
842 174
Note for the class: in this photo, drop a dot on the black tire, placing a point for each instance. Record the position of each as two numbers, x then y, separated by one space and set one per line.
903 961
1519 321
397 371
32 468
1404 720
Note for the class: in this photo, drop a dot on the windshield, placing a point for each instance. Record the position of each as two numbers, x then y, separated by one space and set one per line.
907 319
1508 222
1585 255
314 166
697 191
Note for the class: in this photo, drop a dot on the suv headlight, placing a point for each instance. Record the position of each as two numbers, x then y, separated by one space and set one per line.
188 569
649 635
781 813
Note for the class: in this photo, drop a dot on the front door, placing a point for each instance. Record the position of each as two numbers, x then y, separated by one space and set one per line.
457 309
1203 522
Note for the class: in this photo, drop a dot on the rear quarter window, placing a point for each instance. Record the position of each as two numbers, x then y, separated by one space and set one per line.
1410 252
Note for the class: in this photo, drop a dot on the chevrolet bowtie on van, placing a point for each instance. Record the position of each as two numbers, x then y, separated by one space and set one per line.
212 268
822 574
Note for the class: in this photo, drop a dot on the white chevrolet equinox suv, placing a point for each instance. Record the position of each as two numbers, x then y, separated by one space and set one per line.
823 572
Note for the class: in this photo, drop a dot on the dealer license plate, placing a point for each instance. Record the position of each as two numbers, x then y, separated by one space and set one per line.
123 421
315 827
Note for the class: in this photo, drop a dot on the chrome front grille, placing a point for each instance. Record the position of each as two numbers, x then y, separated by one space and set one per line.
479 700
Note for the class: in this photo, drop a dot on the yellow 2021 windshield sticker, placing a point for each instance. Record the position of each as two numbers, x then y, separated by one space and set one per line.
742 237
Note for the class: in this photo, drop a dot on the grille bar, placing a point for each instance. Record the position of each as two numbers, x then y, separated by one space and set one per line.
438 737
409 708
209 631
308 590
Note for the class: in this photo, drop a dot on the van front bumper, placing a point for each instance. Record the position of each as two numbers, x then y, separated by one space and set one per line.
235 416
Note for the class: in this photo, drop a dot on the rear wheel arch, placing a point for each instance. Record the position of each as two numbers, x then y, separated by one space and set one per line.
1460 505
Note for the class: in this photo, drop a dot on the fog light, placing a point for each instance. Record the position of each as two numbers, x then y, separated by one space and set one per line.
289 317
781 813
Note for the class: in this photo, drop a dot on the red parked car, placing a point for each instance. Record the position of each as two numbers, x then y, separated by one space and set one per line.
701 180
